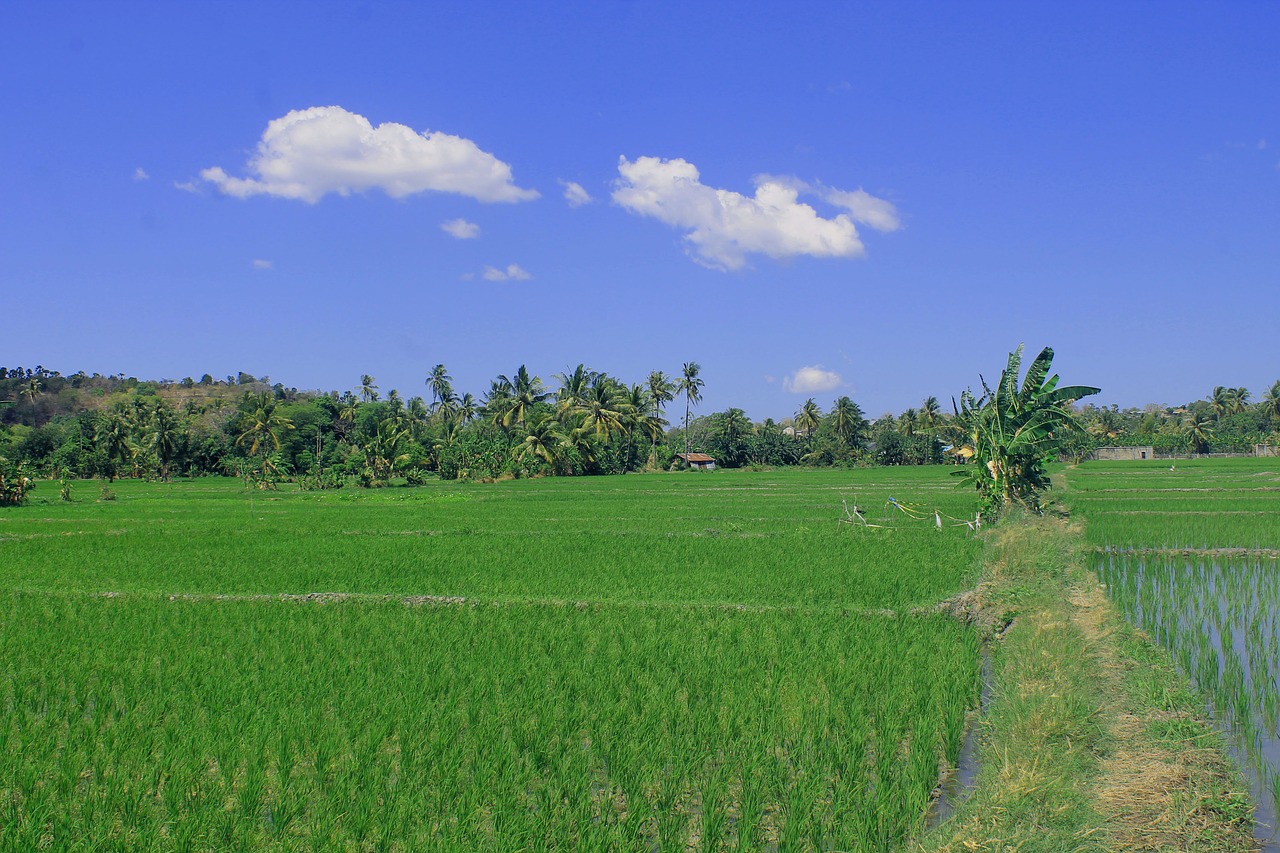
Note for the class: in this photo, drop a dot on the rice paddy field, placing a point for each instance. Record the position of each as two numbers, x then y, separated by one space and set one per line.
660 662
1189 552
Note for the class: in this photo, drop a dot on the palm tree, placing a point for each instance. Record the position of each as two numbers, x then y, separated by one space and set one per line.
394 401
498 400
385 451
368 391
1197 429
661 390
930 413
526 392
690 385
809 418
908 422
575 387
263 426
438 381
32 389
447 409
731 428
1239 399
542 440
849 423
164 437
114 436
1221 401
467 408
605 408
1271 402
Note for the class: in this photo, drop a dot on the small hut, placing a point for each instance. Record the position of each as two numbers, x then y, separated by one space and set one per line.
698 461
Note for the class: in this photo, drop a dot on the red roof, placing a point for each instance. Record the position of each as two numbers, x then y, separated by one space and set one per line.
696 457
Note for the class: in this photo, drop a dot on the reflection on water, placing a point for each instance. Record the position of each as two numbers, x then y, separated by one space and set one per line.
1221 622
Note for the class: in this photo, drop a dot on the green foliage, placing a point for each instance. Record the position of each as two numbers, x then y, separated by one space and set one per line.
594 653
15 482
1013 431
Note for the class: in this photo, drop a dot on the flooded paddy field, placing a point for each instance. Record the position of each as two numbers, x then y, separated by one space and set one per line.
1189 553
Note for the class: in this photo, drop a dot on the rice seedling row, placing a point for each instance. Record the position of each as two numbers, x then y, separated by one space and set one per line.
1203 582
652 664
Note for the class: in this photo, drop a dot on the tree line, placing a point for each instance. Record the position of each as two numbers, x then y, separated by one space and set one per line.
584 422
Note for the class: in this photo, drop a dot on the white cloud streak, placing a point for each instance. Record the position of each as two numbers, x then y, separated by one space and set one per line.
310 153
260 264
513 272
461 229
140 174
575 194
723 227
811 380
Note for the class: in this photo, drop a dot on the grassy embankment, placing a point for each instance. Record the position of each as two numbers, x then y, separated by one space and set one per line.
1092 740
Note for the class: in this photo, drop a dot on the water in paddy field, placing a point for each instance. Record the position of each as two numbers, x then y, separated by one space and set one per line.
1220 619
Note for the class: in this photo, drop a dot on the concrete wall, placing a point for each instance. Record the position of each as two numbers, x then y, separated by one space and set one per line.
1123 454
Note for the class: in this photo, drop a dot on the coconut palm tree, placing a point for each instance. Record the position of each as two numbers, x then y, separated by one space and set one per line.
368 390
809 418
908 421
385 452
1221 401
661 391
438 381
848 423
930 414
574 389
1198 430
1239 399
1271 402
467 408
690 385
262 426
164 437
543 440
114 436
603 412
526 392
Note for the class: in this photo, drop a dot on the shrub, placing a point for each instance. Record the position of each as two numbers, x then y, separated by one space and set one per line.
14 483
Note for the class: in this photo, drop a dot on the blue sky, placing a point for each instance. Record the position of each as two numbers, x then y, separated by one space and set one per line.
878 200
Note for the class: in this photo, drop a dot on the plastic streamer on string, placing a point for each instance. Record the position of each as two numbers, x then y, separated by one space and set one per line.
921 513
915 512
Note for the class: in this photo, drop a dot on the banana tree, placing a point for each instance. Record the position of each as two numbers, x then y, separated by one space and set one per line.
1013 431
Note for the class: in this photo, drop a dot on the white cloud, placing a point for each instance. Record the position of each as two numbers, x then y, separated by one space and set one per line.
811 380
186 186
575 194
260 264
140 174
724 226
310 153
461 228
513 272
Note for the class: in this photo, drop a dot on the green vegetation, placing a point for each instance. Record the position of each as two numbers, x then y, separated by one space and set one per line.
1189 554
1012 432
1091 743
630 663
590 423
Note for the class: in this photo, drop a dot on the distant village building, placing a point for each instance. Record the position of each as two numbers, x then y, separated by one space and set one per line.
700 461
1124 454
